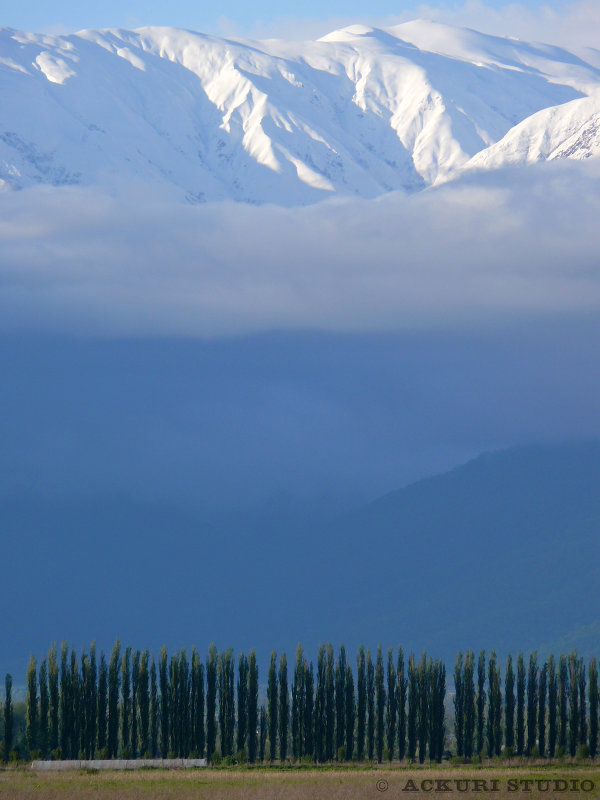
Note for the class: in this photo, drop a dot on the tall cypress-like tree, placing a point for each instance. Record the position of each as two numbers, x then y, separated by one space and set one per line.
413 707
459 717
494 720
53 695
226 701
392 705
242 702
520 705
509 706
437 692
298 705
340 701
284 708
532 702
252 706
75 687
350 711
262 733
102 706
329 704
165 701
552 705
135 701
401 695
113 700
126 702
379 705
583 730
309 695
423 675
8 717
542 694
198 708
573 703
319 708
480 701
469 703
31 701
144 704
154 711
593 697
92 703
361 704
211 701
272 706
185 707
43 738
563 702
370 707
65 704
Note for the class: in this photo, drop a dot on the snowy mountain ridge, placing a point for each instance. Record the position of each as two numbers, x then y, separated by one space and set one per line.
360 112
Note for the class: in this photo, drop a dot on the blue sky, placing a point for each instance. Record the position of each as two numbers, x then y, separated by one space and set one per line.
266 16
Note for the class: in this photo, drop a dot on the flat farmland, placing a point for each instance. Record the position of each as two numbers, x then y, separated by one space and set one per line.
305 784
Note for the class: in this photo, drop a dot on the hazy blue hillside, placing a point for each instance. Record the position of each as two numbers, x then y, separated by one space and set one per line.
501 552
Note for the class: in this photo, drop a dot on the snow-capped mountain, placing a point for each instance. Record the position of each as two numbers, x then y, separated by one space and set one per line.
361 111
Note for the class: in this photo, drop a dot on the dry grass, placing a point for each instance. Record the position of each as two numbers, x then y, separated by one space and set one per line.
238 784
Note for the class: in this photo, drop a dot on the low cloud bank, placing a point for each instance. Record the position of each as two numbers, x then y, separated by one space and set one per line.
490 246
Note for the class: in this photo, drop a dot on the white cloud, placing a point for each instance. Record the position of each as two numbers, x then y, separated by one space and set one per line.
522 241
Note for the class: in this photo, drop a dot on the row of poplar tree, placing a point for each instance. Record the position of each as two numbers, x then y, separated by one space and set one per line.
134 706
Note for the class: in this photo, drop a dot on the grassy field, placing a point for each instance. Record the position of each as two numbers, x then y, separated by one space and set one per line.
305 784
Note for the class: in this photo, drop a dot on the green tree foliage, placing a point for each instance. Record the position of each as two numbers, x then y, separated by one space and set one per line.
252 706
8 717
509 705
361 703
469 703
329 704
197 704
401 700
102 712
552 705
298 704
272 706
532 702
563 703
379 706
437 691
43 738
413 707
126 702
350 712
340 700
573 702
370 707
583 730
520 705
31 729
542 697
593 697
154 710
113 701
143 703
135 701
423 675
309 695
211 701
392 705
319 709
226 701
53 697
494 717
459 717
262 734
65 705
480 701
242 702
284 708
